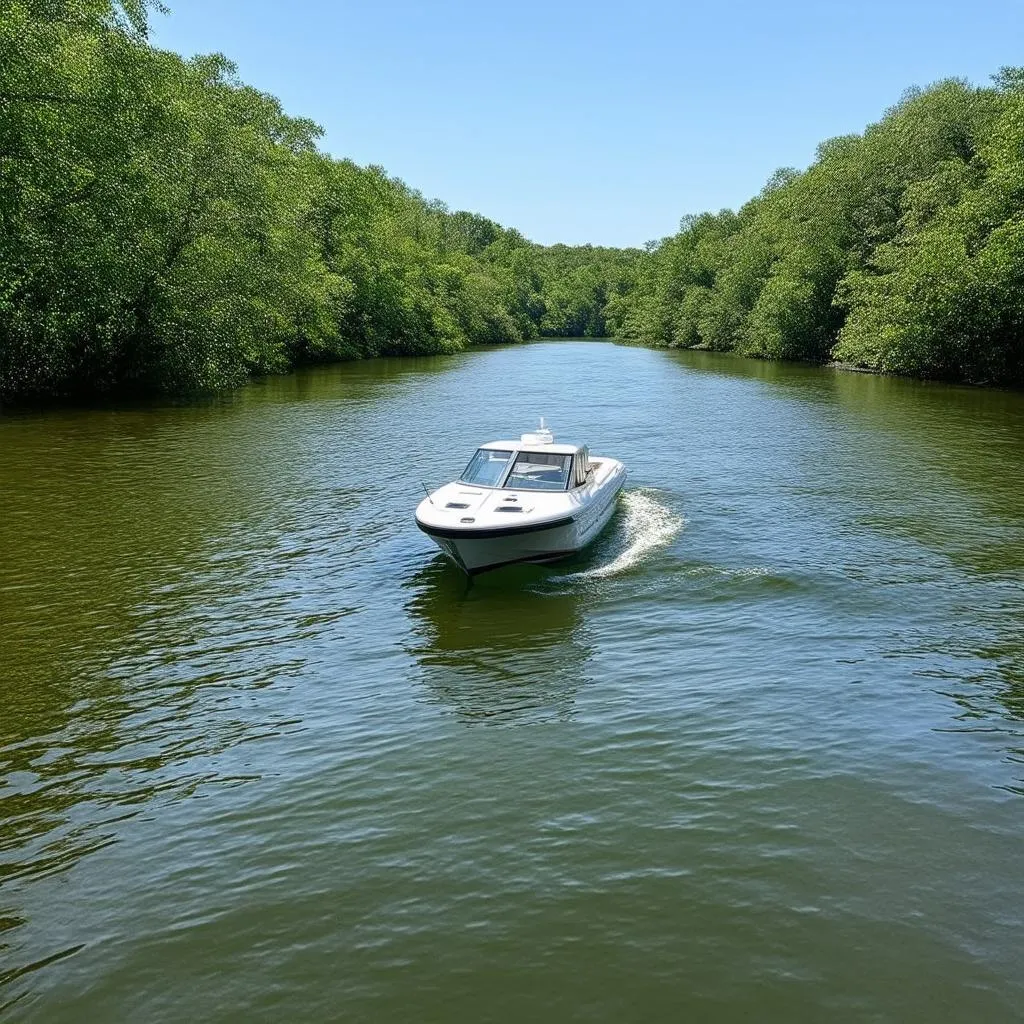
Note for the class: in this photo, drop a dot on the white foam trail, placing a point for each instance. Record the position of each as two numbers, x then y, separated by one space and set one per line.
647 525
714 570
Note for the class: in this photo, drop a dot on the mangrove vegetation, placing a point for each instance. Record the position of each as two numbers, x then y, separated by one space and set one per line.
899 250
165 228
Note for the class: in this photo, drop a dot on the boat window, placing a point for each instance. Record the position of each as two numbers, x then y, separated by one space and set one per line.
486 468
539 471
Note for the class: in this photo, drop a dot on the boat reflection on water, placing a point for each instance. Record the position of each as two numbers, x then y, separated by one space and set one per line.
499 651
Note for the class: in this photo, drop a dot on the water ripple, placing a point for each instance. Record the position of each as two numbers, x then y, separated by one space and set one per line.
264 754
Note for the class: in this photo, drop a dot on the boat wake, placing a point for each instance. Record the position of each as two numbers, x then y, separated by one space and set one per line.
645 524
751 572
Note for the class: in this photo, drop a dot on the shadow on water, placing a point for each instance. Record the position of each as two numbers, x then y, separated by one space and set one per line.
497 650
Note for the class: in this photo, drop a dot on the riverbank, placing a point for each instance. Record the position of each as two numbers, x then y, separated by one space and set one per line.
834 364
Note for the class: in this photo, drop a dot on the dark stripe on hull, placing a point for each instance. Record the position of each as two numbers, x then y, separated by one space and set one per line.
453 533
531 559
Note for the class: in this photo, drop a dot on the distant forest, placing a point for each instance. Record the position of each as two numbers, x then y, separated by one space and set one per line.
166 228
900 250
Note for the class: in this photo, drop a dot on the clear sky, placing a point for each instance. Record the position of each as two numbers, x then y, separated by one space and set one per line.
593 122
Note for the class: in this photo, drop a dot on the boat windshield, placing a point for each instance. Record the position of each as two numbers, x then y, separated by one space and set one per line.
539 471
486 468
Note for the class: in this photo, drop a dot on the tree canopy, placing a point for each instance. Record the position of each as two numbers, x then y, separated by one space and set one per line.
899 250
164 227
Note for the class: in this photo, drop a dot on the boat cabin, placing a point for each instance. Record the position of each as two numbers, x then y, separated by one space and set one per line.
533 463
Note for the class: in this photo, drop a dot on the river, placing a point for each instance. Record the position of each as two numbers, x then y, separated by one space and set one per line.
757 755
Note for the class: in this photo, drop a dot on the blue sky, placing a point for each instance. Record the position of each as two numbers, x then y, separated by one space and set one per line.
592 122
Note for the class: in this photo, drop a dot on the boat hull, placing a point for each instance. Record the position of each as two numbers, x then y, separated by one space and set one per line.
482 550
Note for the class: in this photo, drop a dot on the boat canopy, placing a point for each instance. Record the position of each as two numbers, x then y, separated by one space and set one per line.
534 463
520 445
514 466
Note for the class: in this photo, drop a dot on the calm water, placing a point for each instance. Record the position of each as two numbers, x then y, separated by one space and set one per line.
758 755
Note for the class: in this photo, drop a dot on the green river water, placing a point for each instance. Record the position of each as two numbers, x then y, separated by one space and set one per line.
757 755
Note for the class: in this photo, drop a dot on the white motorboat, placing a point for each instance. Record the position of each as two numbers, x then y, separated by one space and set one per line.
529 500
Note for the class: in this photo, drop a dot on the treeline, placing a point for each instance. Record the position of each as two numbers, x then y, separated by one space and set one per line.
164 227
899 250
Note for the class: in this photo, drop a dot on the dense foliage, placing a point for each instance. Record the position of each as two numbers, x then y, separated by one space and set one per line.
900 250
163 227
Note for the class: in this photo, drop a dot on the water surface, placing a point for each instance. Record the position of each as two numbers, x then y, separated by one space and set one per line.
757 755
